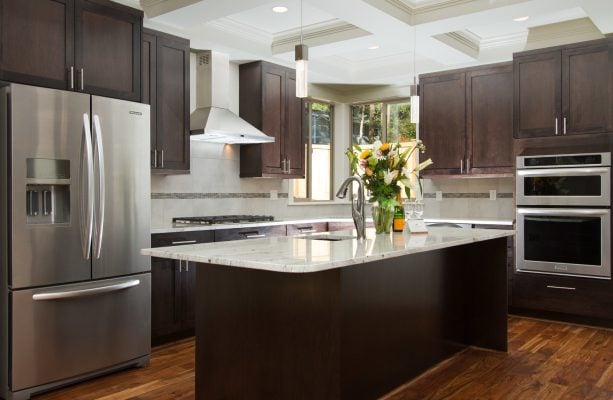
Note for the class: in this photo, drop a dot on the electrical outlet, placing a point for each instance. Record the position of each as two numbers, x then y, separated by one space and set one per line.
439 195
492 195
274 195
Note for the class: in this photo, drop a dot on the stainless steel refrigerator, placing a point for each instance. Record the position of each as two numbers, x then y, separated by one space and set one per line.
75 212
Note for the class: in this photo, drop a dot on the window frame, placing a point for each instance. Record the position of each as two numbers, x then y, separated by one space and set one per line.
308 126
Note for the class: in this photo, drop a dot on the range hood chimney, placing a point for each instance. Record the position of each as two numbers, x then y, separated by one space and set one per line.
212 121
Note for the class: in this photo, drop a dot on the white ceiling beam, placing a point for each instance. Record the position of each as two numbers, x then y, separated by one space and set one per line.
200 11
154 8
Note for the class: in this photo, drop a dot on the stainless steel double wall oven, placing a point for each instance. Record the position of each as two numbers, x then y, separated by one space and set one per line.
564 214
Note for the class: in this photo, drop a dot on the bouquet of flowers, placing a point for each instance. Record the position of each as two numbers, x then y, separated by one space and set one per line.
384 169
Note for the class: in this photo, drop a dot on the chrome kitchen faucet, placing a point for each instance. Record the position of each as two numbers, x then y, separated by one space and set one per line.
357 205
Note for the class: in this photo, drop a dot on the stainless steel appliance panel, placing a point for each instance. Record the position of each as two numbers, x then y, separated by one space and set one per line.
69 330
573 241
46 124
122 173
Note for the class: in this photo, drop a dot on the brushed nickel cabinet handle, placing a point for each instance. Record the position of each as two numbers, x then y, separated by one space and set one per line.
556 126
82 80
184 242
564 123
162 157
72 77
560 287
461 166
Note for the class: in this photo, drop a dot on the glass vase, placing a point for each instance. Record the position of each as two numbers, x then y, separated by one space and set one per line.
382 218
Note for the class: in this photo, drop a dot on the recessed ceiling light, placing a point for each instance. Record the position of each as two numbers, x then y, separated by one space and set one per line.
521 19
373 47
279 9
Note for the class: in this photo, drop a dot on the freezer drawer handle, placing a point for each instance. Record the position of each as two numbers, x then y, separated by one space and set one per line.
86 292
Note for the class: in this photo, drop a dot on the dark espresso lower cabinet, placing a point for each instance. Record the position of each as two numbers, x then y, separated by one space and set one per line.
173 288
573 299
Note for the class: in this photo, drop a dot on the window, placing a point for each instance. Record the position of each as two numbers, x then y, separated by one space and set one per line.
317 185
368 125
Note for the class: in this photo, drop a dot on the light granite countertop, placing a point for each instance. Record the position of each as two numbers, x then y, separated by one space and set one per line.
302 254
186 228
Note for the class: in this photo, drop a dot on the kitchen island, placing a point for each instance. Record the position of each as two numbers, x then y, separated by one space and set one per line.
327 316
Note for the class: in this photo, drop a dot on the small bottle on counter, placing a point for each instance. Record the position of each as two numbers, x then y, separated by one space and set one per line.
398 223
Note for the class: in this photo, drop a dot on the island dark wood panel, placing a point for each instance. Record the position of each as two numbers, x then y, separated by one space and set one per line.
355 332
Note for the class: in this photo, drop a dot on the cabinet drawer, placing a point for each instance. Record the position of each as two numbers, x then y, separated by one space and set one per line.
223 235
298 229
181 238
578 296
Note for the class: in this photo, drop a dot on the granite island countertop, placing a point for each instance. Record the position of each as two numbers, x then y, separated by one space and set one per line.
322 251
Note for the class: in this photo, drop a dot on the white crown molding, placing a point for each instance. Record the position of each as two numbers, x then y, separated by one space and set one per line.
463 41
513 39
317 34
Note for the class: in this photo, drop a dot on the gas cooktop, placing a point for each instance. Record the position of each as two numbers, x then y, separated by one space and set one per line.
222 219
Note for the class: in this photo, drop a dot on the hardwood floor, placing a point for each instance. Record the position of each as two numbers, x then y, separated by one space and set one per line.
546 360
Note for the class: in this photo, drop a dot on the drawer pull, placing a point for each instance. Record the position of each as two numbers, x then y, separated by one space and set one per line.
254 236
185 242
307 230
560 287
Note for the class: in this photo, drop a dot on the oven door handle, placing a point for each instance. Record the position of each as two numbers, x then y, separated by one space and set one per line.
563 171
578 212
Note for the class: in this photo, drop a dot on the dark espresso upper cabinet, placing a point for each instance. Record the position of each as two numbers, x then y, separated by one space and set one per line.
37 42
165 77
566 90
268 101
108 49
91 46
466 121
442 122
489 120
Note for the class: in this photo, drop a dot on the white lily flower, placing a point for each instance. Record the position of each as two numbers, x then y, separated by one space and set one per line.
390 176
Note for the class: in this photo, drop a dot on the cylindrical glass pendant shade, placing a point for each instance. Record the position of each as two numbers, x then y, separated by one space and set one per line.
302 70
415 109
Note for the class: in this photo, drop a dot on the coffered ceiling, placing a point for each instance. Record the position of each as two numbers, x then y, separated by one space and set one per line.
441 34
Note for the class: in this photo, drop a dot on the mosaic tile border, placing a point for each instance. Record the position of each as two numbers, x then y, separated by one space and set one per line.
194 196
469 195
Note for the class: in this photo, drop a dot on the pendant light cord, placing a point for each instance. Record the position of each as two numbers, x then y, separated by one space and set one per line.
300 21
415 53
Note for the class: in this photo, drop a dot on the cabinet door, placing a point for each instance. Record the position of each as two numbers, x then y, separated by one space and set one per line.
148 80
165 286
443 123
294 133
273 118
587 89
188 296
172 104
489 102
537 95
37 42
108 49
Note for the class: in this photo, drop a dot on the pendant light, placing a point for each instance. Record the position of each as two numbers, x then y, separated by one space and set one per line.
301 56
415 87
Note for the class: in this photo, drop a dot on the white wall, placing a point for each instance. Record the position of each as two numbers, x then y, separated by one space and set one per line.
213 186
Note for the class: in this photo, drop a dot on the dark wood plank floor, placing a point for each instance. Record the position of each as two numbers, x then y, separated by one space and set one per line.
546 360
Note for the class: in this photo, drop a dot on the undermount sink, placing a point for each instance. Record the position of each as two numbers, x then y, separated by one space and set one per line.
328 238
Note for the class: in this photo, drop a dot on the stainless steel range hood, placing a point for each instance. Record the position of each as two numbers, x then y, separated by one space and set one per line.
212 121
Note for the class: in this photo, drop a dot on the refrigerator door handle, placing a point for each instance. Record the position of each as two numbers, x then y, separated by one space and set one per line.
86 190
85 292
99 223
